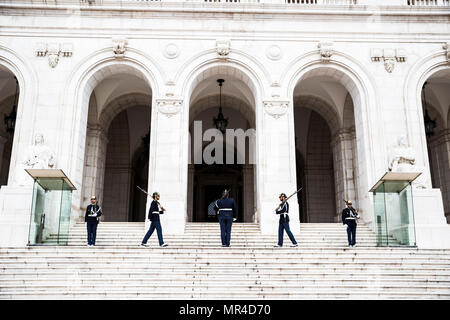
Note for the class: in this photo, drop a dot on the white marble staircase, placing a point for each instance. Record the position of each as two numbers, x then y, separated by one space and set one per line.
195 266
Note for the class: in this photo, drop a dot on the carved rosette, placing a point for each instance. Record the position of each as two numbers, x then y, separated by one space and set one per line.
274 53
169 107
276 109
223 48
171 51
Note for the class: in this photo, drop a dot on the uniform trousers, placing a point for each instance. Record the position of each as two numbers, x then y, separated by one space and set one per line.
91 232
351 231
225 221
154 225
281 227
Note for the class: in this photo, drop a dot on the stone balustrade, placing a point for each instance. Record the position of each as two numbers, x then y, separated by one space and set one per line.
302 3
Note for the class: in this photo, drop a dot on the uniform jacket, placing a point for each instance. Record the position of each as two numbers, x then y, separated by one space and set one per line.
154 212
348 214
93 212
283 212
227 207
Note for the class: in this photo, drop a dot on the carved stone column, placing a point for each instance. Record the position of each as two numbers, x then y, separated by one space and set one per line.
343 145
3 141
439 148
94 165
190 195
248 181
167 172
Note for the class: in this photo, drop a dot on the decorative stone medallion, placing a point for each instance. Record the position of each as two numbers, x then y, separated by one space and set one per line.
274 52
171 51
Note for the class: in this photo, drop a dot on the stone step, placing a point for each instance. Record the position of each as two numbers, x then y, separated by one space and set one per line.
273 284
196 266
219 289
139 254
156 294
152 274
277 258
237 267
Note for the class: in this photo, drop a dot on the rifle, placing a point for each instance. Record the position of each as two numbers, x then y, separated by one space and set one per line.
355 212
153 199
288 198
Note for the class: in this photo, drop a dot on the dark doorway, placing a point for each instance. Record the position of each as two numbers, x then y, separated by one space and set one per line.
209 183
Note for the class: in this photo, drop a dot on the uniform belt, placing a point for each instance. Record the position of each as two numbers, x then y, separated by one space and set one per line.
156 212
227 209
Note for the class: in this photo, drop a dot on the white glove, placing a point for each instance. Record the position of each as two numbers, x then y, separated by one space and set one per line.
234 219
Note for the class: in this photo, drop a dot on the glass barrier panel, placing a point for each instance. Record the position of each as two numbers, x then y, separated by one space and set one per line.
380 216
64 220
394 214
37 218
50 212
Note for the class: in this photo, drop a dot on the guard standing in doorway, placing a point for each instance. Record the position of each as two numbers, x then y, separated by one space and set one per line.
228 212
91 218
153 214
283 224
349 216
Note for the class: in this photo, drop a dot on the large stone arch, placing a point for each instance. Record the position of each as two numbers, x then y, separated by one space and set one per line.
28 88
422 70
320 184
429 211
97 139
89 73
246 104
372 158
16 195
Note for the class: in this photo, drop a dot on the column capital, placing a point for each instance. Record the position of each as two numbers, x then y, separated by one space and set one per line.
442 137
97 131
276 108
169 106
343 134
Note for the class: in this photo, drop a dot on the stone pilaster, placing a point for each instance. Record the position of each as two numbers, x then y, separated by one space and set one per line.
166 172
275 162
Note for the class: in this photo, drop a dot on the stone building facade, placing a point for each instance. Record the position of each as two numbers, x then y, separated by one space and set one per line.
329 86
